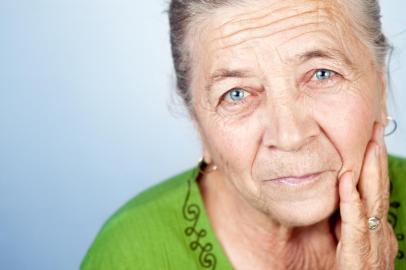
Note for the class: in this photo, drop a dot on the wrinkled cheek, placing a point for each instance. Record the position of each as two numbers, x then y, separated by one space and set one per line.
347 121
233 147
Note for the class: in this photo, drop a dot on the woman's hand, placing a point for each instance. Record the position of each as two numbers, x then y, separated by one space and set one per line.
360 247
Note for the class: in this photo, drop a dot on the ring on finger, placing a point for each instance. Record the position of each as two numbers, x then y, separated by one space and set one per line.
373 223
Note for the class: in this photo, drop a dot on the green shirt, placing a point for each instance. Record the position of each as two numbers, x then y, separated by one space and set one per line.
167 227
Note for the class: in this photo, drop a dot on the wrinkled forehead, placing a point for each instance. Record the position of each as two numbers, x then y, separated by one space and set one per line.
284 29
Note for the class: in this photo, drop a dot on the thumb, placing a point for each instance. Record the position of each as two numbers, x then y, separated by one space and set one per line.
353 236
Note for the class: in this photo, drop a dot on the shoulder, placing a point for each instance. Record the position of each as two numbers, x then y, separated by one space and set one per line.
160 194
142 226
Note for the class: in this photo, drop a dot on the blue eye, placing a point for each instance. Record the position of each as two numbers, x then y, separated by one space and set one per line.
236 94
324 74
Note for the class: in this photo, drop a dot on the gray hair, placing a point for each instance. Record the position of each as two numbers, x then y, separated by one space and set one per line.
183 12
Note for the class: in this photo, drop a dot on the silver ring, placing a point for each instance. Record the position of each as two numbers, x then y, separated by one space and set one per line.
373 223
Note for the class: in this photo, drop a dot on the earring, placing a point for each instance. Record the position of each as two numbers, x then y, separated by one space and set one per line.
394 124
205 167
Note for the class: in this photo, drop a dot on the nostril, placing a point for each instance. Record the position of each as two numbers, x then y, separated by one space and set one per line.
290 138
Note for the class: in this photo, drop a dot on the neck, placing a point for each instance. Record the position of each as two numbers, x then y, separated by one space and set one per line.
250 237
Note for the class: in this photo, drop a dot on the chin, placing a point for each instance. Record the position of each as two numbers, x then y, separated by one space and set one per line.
303 207
304 214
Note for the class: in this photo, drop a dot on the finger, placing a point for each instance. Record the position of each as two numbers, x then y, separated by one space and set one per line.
383 247
353 218
384 164
374 189
370 182
393 243
379 139
374 182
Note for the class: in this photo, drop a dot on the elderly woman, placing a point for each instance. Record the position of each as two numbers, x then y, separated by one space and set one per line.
289 98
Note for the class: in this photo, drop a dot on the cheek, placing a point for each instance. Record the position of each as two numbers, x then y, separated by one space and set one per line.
347 118
233 145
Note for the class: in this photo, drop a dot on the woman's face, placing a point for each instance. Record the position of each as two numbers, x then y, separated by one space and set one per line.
281 90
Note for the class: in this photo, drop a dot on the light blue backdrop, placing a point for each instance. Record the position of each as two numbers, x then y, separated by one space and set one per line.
88 119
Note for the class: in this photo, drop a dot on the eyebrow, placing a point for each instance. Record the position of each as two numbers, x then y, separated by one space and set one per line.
223 73
330 54
333 54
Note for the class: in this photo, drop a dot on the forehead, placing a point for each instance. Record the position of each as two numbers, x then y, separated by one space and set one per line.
276 30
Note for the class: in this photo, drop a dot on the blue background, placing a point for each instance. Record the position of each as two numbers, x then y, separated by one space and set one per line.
88 118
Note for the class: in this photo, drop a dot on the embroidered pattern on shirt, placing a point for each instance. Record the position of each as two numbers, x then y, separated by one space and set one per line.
191 213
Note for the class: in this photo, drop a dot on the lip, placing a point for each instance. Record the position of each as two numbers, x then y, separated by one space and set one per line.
296 180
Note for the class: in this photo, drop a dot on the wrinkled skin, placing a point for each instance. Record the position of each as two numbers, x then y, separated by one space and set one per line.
266 110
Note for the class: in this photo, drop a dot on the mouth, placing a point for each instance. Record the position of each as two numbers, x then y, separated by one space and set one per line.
296 180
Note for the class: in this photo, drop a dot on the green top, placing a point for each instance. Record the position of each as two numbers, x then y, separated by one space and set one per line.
167 227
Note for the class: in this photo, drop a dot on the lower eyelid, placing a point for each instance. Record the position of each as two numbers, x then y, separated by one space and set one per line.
238 102
325 83
240 108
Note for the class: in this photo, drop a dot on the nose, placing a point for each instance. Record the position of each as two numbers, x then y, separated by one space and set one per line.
289 127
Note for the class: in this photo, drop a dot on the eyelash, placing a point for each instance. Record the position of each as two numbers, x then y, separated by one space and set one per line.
333 75
313 75
246 94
